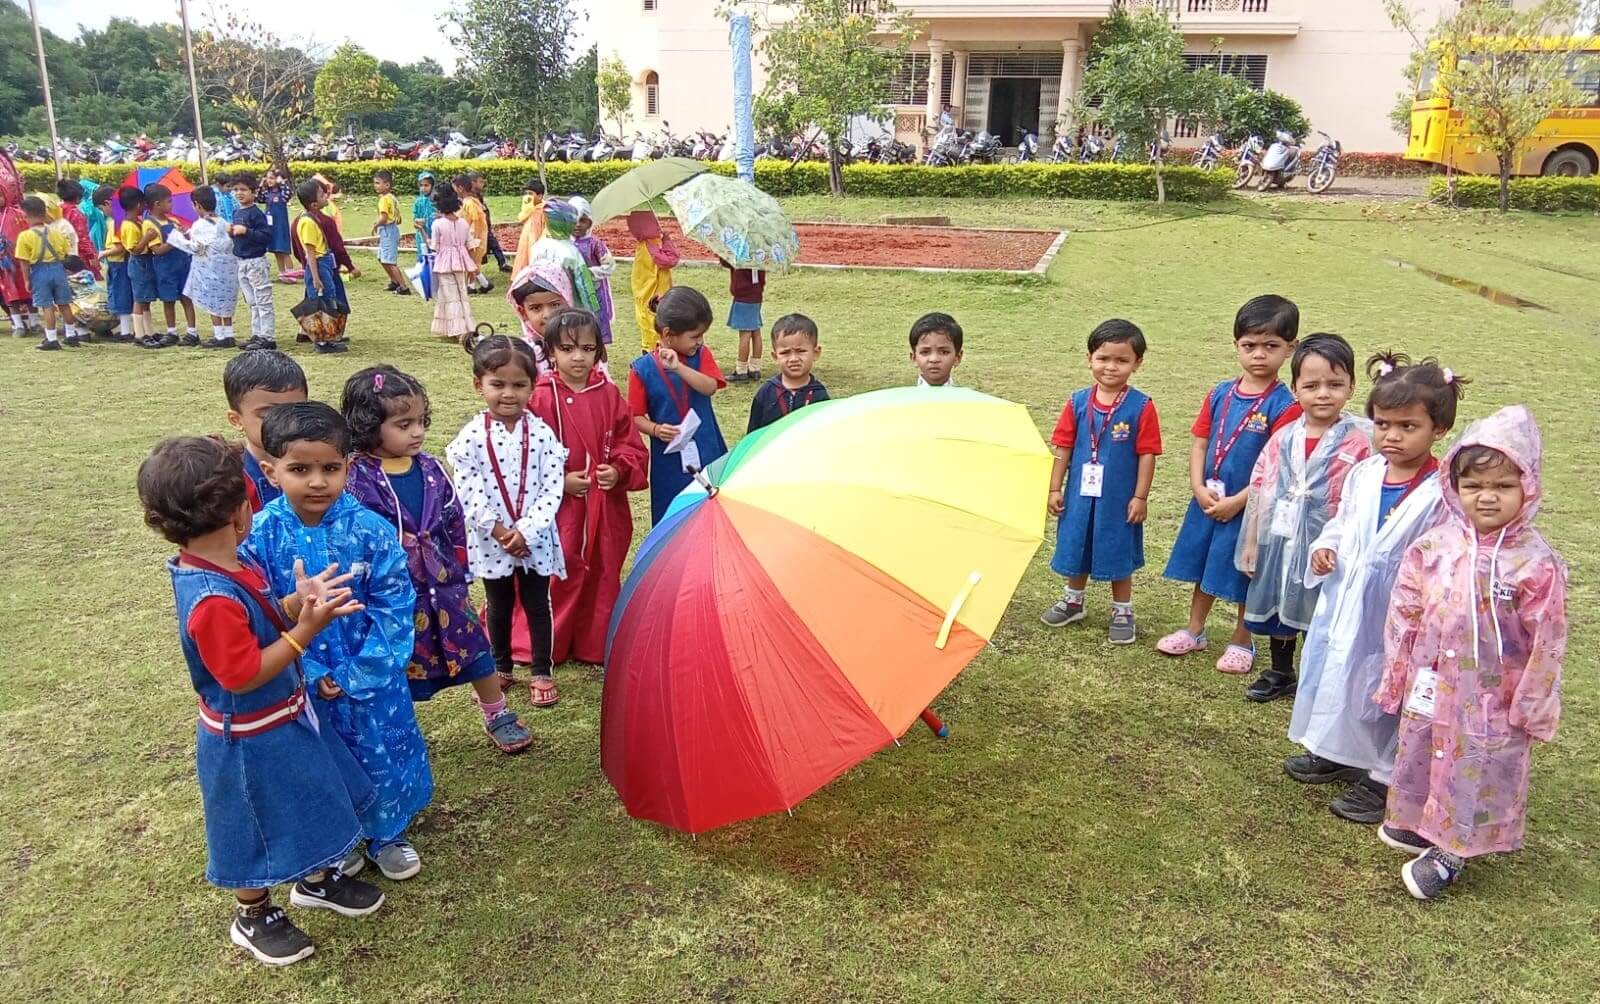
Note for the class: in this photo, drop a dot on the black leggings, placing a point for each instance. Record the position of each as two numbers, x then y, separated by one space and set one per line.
533 590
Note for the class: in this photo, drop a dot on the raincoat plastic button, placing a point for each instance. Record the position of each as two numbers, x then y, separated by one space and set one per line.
1449 653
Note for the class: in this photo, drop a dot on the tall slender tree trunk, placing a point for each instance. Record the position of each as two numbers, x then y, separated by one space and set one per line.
1505 182
1161 182
835 171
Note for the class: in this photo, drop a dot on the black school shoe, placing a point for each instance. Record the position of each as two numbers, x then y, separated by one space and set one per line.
330 348
1364 802
272 938
338 892
1308 768
190 341
256 343
46 345
217 343
1271 685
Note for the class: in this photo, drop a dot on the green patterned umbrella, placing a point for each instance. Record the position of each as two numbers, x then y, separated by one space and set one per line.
741 224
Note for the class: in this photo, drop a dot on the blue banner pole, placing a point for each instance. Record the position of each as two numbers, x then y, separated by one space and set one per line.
744 127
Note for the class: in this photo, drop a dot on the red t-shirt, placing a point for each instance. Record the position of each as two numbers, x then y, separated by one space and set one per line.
1147 443
221 630
1311 446
1202 423
639 399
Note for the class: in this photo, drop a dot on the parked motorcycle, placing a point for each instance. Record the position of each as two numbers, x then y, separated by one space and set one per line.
1210 154
1092 149
1324 164
1280 164
1249 161
1027 148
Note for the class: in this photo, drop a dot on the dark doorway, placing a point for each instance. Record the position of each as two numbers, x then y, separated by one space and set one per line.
1013 107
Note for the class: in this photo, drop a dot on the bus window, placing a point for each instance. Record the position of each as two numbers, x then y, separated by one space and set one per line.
1430 74
1583 69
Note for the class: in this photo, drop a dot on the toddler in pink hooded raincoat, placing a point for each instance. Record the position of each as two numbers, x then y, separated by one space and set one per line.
1475 639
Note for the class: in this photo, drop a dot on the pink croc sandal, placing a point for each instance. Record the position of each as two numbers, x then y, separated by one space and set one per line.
1236 659
1181 642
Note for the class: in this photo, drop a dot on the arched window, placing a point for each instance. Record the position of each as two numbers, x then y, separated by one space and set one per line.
649 6
652 93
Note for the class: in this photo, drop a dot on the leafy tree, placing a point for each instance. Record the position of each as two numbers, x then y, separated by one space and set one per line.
1137 81
259 82
1505 71
579 104
19 69
515 53
829 61
615 90
1244 111
350 86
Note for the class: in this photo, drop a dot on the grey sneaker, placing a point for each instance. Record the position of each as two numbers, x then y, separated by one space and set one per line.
1403 840
1063 613
398 861
1428 876
1123 629
353 862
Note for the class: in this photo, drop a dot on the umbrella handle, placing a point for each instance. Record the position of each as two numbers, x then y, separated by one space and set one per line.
935 723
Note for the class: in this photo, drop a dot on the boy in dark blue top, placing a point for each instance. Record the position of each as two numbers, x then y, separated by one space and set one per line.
255 383
795 348
252 239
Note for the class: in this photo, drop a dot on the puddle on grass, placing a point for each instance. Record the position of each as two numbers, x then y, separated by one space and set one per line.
1489 293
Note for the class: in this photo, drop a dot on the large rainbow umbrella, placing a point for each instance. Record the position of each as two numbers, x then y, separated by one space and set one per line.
172 177
844 565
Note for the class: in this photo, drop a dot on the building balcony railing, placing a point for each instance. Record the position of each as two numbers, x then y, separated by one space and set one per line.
1229 17
992 9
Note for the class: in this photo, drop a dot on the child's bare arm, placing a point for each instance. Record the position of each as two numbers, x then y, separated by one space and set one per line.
1055 502
697 381
1139 505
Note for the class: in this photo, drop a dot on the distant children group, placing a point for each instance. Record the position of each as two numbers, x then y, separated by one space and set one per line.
1434 614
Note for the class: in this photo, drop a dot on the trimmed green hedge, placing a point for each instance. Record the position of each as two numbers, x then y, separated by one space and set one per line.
1117 182
1540 195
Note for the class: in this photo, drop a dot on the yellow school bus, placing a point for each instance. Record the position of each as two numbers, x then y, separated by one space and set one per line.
1567 143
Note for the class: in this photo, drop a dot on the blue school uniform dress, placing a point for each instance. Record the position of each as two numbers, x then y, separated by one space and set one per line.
664 397
1237 427
171 269
257 487
366 654
281 792
1093 536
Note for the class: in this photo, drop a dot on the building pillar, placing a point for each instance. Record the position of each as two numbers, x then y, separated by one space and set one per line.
935 76
958 86
1071 79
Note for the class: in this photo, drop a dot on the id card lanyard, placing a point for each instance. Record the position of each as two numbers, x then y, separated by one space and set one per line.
514 511
1225 444
1091 480
680 401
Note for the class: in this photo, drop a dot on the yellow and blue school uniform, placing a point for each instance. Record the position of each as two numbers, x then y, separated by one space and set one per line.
44 250
119 289
141 273
1093 536
171 270
389 233
1236 427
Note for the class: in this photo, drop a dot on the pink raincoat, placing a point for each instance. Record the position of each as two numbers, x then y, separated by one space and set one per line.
1487 616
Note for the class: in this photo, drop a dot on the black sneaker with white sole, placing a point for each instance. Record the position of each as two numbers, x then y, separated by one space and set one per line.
1364 802
272 938
1428 876
345 896
1403 840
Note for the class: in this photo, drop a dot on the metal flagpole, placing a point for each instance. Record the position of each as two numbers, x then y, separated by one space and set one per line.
194 91
44 84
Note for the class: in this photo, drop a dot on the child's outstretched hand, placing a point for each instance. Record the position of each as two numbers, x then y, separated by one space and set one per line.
1056 502
1137 511
1323 561
577 483
317 612
669 359
606 477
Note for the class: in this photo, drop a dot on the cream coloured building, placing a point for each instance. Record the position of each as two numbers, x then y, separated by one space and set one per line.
1010 65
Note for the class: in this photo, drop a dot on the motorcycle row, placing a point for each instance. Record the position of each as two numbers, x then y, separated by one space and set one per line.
1255 162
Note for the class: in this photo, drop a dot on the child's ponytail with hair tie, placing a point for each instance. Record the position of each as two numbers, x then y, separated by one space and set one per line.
1383 364
470 340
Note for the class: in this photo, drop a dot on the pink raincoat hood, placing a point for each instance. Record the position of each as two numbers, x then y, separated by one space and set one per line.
1513 431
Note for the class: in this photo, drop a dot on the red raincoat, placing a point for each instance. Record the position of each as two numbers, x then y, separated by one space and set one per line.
596 427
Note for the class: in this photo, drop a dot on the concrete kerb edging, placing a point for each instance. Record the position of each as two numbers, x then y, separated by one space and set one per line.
1039 268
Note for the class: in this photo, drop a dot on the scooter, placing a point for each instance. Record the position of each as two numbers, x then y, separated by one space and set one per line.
1280 164
644 148
1324 164
457 147
1027 148
602 150
1061 150
1092 148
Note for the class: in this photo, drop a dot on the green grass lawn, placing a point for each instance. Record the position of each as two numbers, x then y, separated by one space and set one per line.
1104 824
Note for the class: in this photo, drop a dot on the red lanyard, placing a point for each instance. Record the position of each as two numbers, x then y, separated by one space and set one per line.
1416 479
1226 447
783 398
270 609
515 511
681 401
1095 437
